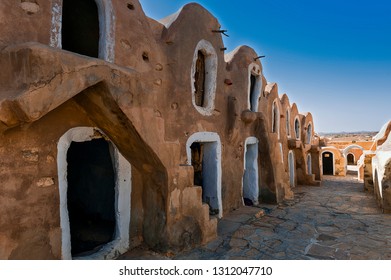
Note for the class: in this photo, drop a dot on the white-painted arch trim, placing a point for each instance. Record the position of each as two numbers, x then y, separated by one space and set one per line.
106 28
214 146
120 242
210 77
250 182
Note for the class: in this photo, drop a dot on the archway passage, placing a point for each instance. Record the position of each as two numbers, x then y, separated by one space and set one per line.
350 158
328 163
80 27
91 195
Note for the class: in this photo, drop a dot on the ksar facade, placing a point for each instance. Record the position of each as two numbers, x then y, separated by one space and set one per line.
117 129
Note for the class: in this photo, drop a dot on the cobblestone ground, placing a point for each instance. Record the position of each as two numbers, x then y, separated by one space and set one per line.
335 221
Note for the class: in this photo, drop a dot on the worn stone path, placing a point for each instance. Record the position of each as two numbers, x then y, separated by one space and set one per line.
335 221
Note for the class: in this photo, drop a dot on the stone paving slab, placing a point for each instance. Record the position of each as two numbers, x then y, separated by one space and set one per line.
337 220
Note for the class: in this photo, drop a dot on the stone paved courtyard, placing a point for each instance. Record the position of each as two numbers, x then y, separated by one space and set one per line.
335 221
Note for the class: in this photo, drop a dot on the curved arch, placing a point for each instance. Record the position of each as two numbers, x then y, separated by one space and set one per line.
353 146
120 242
209 79
211 191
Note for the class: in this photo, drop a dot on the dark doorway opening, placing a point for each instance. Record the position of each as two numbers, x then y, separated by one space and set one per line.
197 151
204 162
199 83
80 27
90 195
328 163
350 159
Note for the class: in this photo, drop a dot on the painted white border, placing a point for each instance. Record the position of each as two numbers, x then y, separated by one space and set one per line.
120 243
207 137
210 77
292 168
254 69
321 158
106 28
251 141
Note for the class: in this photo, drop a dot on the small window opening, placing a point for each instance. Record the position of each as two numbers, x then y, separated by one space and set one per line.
80 27
288 123
130 6
199 83
145 56
90 196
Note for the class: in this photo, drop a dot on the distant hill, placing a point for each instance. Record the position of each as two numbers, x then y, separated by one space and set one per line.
349 136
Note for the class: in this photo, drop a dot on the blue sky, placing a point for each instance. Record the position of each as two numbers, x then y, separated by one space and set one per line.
333 58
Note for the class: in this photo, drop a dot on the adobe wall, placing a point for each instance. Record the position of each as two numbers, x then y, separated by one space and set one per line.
139 93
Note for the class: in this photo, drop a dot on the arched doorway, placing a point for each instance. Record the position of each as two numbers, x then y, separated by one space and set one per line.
80 27
291 164
204 154
328 163
250 176
95 187
350 159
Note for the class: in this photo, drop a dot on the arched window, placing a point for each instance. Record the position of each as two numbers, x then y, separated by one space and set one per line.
297 128
255 86
309 134
275 118
203 78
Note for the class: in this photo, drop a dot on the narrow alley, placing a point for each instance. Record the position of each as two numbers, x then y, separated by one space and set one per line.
335 221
